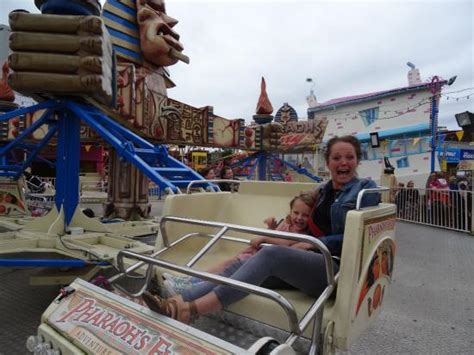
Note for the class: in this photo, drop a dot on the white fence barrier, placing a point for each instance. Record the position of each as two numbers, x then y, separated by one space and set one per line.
154 192
450 209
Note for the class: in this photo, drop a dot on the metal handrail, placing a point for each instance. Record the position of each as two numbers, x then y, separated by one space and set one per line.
148 274
208 246
256 231
287 307
143 288
370 190
312 313
213 182
296 327
125 272
195 182
242 286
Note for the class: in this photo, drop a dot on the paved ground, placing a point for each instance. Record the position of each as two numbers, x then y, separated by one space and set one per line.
430 309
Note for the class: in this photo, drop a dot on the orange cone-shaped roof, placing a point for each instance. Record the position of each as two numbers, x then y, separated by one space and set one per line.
264 106
6 92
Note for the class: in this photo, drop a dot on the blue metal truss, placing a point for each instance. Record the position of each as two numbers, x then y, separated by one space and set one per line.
64 117
299 170
260 159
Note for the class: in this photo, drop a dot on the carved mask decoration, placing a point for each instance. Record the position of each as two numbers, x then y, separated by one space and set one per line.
159 43
285 113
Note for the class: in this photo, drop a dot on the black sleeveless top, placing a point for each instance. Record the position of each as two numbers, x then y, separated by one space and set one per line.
322 214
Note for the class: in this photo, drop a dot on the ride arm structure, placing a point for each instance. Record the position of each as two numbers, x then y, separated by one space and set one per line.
259 161
64 117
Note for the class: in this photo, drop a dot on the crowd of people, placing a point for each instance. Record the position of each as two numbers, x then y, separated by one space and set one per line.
223 173
445 201
279 263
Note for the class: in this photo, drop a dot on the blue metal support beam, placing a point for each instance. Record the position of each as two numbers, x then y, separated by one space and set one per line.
297 169
257 158
124 149
48 263
33 155
37 124
67 164
135 149
262 166
152 160
19 112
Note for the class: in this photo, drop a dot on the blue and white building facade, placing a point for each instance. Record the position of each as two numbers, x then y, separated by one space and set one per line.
402 119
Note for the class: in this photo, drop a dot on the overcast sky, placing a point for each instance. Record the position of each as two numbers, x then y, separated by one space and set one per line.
348 47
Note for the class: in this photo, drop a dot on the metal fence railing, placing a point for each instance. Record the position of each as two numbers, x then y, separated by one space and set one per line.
450 209
154 192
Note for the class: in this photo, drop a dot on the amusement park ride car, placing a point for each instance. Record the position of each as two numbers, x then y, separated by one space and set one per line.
195 231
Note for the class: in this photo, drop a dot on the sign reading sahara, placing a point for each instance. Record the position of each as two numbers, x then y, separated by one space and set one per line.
106 327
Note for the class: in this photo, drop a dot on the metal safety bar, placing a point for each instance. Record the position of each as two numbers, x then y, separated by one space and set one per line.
208 246
148 274
296 327
310 314
126 272
256 231
361 193
213 182
242 286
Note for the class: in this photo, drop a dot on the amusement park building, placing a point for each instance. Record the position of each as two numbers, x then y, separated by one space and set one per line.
402 119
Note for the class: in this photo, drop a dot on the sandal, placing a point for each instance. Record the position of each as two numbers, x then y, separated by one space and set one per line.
171 307
160 305
193 311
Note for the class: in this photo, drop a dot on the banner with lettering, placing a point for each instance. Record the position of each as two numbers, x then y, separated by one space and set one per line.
302 135
100 325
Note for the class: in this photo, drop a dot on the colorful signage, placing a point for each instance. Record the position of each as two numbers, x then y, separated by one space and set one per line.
302 135
466 160
12 200
467 154
376 265
451 155
101 325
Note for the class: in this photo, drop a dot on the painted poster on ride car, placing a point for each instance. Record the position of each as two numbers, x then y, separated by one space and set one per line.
376 266
104 326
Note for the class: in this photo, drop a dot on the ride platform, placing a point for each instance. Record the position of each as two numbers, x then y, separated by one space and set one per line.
428 310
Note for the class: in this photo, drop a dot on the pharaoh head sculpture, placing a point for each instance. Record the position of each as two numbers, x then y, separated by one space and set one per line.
159 43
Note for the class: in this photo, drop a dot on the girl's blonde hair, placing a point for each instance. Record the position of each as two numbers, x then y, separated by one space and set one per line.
309 198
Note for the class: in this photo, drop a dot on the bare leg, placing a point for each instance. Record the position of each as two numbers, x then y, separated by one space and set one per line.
208 303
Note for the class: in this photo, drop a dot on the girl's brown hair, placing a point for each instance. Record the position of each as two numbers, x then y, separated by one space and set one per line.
205 171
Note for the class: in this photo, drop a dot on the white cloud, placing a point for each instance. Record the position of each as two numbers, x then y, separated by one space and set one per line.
349 47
